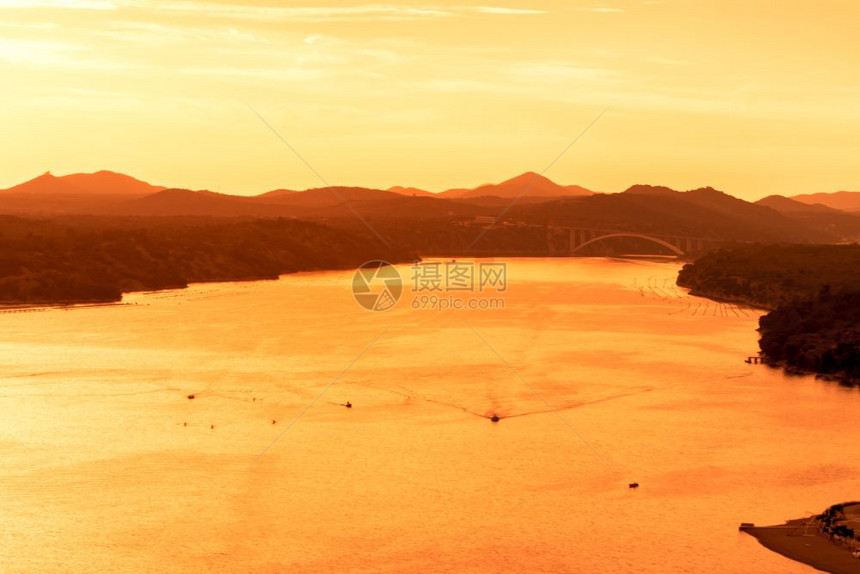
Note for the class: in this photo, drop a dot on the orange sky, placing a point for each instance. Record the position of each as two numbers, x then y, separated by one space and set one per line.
750 97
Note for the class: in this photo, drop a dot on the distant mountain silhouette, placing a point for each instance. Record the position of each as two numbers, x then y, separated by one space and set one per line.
841 224
703 212
529 184
844 200
185 202
729 207
651 190
411 191
321 203
328 203
106 192
322 196
278 193
109 183
99 183
787 205
45 184
77 193
578 190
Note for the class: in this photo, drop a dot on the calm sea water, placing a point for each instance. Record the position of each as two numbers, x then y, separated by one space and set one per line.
107 466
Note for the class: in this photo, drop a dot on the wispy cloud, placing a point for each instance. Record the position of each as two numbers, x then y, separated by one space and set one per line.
561 71
290 13
48 54
508 11
287 73
259 12
74 4
461 86
605 10
28 25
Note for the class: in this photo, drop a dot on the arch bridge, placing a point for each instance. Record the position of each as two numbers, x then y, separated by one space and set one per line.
679 245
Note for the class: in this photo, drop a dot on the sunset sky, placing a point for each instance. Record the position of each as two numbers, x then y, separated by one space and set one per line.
751 97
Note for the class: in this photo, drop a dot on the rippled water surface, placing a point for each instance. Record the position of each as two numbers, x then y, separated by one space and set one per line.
108 466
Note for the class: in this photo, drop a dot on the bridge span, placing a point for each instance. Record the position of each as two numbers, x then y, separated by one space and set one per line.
579 238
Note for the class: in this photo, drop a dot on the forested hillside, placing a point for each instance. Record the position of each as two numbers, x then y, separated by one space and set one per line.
812 291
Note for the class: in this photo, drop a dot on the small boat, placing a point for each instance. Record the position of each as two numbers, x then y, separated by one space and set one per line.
633 485
348 405
494 418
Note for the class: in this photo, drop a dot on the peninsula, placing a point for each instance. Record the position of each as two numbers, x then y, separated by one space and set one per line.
829 541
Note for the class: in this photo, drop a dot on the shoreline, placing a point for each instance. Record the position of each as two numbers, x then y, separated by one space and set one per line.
745 303
21 307
803 540
66 306
787 368
15 307
810 297
811 549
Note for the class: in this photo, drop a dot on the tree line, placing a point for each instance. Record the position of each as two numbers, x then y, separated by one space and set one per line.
812 293
83 260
